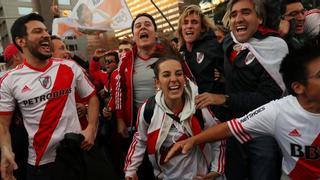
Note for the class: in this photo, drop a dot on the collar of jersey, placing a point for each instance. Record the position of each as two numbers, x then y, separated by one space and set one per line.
38 69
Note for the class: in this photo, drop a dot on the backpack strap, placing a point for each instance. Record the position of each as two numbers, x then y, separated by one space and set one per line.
149 108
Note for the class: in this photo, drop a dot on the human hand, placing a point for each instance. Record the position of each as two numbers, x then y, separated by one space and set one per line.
89 136
102 94
81 110
210 176
122 128
106 113
7 164
206 99
284 28
180 147
133 177
99 52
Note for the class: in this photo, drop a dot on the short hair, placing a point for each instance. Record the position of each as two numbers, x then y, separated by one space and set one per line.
145 15
53 37
257 4
206 23
284 3
114 54
294 66
19 29
125 41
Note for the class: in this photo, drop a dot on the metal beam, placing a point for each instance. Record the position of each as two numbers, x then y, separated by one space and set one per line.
163 15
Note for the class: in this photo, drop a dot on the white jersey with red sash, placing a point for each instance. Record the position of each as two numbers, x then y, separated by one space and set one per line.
46 98
296 130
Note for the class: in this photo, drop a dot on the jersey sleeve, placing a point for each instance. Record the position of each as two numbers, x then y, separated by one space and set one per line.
260 121
218 148
7 101
83 85
138 145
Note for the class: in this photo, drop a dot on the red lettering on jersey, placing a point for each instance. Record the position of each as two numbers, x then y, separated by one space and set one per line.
308 169
52 112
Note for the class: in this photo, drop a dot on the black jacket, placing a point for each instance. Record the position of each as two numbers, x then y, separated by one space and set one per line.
248 85
208 48
74 163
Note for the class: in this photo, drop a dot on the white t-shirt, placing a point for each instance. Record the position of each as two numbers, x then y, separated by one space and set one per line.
47 103
296 130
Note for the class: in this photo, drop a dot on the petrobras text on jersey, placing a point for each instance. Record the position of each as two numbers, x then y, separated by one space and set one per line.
47 96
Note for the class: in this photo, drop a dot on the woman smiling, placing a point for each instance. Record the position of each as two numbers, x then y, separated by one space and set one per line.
173 120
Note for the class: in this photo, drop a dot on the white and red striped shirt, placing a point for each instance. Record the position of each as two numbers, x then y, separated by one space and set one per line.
296 130
46 98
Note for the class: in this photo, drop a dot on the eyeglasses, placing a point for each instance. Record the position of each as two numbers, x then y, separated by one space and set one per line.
295 14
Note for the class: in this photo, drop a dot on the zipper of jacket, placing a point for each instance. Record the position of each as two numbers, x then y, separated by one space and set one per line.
132 125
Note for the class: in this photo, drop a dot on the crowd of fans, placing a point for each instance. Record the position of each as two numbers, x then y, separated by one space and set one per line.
234 98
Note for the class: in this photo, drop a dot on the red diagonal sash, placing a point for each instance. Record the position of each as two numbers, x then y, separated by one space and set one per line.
52 112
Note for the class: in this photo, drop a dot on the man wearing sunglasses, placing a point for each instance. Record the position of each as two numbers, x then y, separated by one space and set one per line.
292 23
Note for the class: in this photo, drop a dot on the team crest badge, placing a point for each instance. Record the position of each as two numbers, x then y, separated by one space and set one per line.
250 57
200 57
45 82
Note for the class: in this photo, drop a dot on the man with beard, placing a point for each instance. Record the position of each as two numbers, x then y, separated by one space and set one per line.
43 89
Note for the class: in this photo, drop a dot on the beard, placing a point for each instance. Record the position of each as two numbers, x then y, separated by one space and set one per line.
33 48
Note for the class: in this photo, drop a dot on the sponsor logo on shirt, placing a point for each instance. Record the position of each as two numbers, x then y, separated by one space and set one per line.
295 133
306 152
45 81
44 97
25 89
250 115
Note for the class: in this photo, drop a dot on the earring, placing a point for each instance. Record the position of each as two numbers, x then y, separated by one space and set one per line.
185 85
158 89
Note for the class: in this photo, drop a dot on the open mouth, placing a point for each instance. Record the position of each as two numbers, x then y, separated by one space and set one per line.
189 33
144 35
300 26
240 29
45 44
173 88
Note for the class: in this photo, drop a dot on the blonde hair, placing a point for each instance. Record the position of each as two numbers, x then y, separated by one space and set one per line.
206 23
